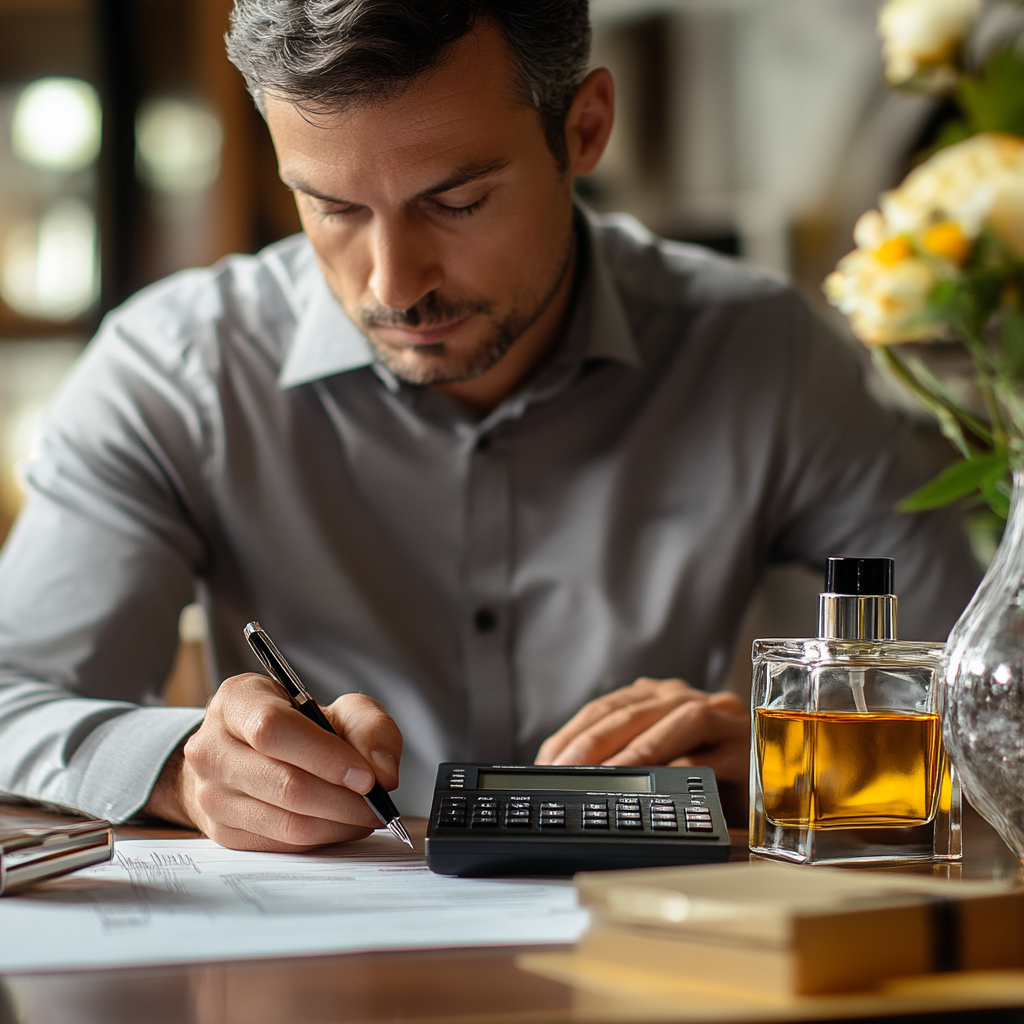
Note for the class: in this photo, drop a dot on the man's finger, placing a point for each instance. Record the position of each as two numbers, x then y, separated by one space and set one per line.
612 733
233 768
239 819
371 731
268 723
690 727
592 713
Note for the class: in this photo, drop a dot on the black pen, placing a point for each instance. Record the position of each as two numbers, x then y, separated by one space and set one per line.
279 669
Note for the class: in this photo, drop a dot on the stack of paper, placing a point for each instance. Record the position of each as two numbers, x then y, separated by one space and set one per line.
167 901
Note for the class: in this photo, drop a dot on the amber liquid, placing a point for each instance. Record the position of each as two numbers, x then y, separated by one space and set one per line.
849 769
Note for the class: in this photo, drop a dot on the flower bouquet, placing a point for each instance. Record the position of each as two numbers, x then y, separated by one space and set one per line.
942 260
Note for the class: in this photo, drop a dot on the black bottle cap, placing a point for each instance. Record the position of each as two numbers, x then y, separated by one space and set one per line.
861 576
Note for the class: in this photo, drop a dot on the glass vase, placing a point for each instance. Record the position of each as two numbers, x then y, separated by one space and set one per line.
983 691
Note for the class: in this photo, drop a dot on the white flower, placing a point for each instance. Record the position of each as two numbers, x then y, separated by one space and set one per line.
885 301
974 183
923 36
925 233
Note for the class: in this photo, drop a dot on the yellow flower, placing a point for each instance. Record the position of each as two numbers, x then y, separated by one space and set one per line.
947 240
920 38
893 251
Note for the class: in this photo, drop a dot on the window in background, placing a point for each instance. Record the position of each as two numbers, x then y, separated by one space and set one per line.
51 141
51 130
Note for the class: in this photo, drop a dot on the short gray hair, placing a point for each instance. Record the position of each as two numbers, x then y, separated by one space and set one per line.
327 54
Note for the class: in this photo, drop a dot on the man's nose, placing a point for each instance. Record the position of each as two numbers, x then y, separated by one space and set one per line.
405 267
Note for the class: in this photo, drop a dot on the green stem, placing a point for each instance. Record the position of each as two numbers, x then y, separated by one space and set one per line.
985 383
949 415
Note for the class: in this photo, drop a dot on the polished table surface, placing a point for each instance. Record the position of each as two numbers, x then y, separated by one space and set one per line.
461 985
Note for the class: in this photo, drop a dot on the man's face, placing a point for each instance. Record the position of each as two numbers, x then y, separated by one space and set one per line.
440 218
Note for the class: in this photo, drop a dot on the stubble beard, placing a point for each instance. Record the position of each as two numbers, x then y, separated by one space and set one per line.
441 363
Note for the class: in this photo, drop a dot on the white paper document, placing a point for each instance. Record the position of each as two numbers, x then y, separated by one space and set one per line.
175 901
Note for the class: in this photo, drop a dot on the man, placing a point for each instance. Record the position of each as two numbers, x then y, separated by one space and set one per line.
510 469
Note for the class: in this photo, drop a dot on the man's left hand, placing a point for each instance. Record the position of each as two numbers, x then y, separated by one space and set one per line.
659 721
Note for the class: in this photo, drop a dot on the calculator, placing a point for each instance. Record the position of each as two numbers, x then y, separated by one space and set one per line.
493 819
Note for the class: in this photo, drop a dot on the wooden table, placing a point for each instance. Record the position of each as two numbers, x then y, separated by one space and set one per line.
468 986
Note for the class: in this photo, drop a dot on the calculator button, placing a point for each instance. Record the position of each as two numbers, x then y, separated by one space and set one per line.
595 822
664 826
636 825
552 822
602 806
694 826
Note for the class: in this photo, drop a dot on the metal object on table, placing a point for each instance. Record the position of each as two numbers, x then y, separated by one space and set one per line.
34 855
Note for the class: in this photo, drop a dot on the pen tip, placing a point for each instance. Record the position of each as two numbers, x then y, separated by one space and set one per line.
397 829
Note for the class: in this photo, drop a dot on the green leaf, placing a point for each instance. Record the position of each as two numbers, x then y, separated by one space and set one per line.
996 497
961 479
994 100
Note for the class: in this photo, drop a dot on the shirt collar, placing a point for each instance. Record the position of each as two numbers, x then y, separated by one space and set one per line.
326 341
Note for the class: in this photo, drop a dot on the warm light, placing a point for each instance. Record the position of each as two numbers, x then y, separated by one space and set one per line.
178 146
57 124
49 268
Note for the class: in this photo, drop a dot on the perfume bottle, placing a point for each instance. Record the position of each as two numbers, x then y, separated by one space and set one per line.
847 762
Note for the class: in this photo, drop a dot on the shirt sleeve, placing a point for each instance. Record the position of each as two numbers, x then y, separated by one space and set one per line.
844 463
92 579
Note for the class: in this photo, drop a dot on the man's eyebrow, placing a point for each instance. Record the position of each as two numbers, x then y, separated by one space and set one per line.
463 176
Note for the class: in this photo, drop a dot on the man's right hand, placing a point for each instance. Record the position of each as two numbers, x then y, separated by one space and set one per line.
258 775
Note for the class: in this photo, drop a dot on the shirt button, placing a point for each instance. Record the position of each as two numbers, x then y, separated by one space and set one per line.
485 620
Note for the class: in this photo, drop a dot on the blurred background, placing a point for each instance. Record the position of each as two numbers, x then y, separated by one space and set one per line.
129 149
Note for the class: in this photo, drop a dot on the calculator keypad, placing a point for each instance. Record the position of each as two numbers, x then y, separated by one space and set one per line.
655 814
552 814
485 812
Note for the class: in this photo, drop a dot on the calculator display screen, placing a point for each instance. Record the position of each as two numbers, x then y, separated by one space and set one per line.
610 782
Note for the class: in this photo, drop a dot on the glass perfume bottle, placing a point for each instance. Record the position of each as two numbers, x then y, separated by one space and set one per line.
847 763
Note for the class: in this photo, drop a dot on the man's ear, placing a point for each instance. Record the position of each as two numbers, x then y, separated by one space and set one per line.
589 121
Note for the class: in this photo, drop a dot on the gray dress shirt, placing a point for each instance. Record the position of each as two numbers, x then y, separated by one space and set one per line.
228 430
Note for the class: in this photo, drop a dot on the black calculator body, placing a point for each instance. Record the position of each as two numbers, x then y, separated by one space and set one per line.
489 820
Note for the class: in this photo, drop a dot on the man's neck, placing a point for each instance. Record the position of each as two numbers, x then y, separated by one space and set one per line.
485 393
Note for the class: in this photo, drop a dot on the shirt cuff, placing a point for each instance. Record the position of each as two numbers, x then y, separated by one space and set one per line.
114 769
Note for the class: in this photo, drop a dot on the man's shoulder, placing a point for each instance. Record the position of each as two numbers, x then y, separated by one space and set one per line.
260 295
648 268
